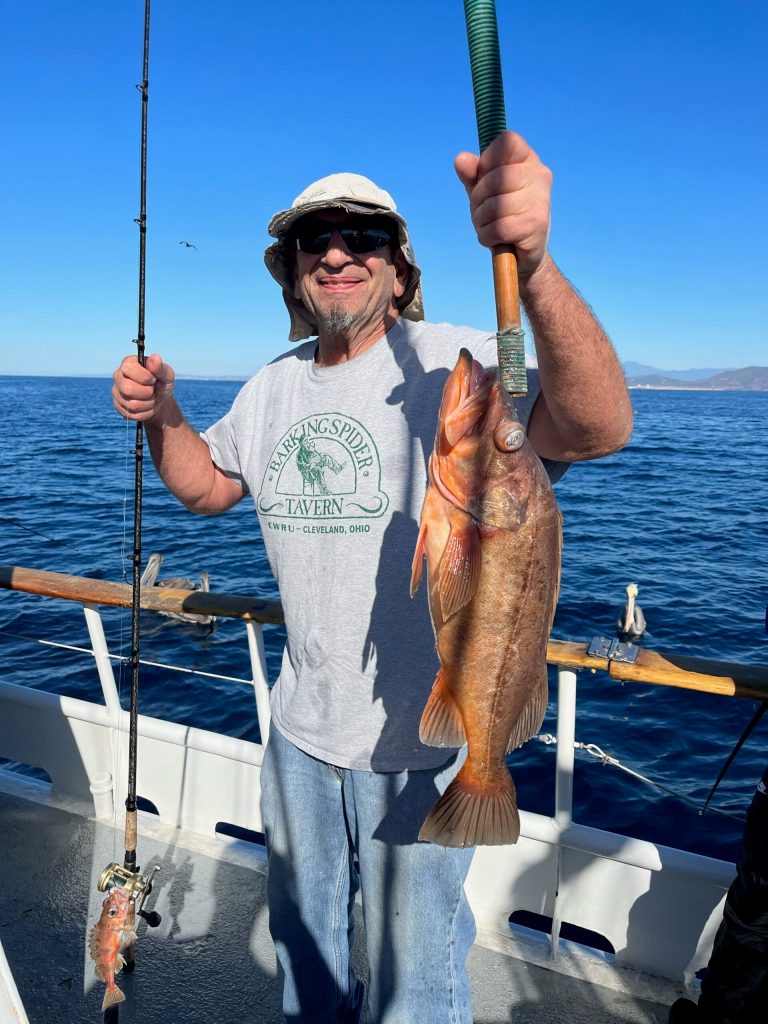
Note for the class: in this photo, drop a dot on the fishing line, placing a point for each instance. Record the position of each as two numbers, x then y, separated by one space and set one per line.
116 657
121 657
45 536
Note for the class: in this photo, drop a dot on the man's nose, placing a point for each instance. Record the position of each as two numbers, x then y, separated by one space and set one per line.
337 254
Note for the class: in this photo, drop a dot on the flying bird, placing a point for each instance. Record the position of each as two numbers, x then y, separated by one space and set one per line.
188 245
630 626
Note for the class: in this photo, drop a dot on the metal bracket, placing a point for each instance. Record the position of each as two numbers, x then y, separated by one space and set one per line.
613 650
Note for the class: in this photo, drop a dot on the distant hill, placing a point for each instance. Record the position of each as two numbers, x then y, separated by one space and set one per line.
641 370
750 378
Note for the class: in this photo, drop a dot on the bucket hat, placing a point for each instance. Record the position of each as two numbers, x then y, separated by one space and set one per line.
355 194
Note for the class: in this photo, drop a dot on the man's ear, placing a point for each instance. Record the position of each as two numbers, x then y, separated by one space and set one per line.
402 274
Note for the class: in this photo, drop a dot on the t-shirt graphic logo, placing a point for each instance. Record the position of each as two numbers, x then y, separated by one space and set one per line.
311 463
325 467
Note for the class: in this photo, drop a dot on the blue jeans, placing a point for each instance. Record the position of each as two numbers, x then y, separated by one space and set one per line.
333 830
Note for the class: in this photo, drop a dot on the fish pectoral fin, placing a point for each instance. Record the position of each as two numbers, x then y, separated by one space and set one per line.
459 568
418 559
441 722
458 422
529 722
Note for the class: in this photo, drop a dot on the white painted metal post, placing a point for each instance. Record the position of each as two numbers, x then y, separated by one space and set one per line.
566 736
102 784
102 658
259 672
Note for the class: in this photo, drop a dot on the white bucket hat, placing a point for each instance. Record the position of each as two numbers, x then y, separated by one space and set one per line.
356 194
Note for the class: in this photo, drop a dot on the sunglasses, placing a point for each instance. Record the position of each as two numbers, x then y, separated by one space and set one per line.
358 236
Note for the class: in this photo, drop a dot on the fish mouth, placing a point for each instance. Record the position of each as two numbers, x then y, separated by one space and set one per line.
471 375
465 398
465 402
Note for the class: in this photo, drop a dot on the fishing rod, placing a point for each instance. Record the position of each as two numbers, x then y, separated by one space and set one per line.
488 88
128 875
732 756
763 707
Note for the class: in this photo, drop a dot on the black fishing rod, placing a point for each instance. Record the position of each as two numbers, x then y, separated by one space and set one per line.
128 875
141 220
763 707
732 756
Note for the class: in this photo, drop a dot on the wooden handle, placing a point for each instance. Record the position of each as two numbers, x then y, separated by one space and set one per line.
506 287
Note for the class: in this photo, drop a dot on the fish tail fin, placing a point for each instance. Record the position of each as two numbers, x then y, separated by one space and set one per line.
529 722
112 997
474 814
441 722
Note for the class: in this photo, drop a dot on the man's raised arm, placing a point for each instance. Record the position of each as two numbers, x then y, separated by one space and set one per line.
584 410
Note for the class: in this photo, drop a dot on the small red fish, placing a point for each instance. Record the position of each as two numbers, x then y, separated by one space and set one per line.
111 934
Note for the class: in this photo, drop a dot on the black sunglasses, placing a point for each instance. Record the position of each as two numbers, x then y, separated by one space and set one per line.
358 237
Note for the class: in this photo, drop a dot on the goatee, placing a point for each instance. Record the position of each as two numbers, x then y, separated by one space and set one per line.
335 320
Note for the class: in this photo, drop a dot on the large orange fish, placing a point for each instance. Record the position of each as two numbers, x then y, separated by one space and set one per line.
491 533
111 934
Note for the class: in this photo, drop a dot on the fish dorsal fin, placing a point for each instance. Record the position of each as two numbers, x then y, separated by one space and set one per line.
418 559
441 722
93 949
459 567
529 722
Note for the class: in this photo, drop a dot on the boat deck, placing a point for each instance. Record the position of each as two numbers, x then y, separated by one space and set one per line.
211 959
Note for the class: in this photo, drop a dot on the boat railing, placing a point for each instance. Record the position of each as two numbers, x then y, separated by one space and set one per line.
651 667
556 856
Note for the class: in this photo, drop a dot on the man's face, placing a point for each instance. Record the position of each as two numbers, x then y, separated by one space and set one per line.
349 293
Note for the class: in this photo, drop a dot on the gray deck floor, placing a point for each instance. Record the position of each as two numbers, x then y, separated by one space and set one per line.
211 960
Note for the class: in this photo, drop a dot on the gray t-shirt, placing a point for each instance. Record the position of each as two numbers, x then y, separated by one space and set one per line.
336 461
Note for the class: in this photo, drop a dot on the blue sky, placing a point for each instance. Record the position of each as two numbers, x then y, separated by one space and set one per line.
651 116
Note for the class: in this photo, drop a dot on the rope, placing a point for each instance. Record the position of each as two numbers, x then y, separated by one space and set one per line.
600 755
511 351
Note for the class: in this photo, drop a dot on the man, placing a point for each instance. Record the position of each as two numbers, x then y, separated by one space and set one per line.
332 441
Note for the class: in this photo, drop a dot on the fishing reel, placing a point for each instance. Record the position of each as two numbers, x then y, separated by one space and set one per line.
138 885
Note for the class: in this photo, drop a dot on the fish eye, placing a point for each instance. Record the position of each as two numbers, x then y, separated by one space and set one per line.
112 911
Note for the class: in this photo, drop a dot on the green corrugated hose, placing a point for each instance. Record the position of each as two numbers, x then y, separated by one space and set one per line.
488 87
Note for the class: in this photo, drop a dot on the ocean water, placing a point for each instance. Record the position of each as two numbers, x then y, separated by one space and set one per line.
682 511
